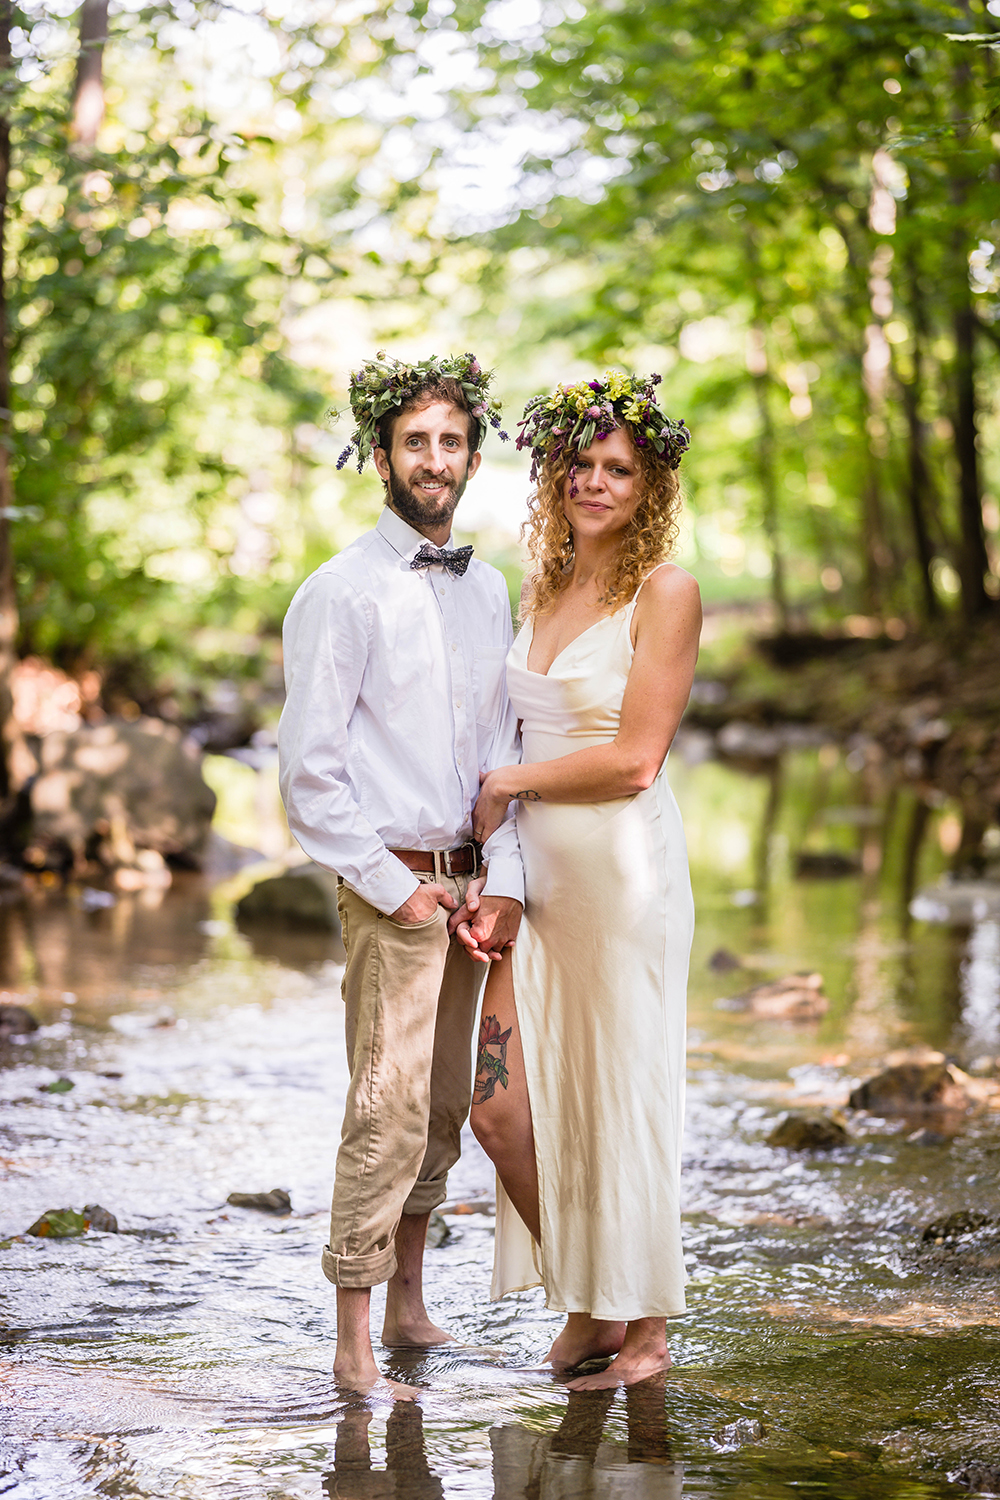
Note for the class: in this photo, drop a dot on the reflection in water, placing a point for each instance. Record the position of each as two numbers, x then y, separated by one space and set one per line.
190 1354
571 1463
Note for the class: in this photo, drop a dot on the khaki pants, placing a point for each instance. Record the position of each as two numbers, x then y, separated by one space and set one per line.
411 995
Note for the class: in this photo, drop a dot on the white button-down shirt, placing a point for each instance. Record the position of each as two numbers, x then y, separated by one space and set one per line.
396 700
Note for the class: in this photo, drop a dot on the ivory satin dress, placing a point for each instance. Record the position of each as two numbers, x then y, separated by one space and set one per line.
600 979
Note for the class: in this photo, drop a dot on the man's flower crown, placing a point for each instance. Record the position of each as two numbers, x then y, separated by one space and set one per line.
383 383
570 419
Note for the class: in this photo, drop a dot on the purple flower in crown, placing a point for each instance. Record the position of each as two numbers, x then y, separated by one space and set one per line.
593 412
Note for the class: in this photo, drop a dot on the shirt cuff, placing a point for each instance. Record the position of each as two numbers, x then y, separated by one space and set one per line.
391 885
505 877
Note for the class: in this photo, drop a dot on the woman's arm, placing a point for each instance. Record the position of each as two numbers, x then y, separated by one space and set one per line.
667 626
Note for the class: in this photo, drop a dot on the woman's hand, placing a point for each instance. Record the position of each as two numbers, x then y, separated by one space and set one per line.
491 804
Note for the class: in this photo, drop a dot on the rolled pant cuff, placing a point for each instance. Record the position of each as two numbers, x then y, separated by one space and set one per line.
425 1196
357 1271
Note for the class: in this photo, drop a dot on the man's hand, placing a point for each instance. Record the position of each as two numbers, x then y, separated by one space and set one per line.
485 925
423 904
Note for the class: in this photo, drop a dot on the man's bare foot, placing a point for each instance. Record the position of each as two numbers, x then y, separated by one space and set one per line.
367 1380
585 1338
630 1367
414 1332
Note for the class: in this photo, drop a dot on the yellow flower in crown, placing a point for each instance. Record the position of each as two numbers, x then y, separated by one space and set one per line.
572 417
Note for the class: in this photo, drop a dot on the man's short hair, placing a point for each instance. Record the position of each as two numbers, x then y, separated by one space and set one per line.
438 388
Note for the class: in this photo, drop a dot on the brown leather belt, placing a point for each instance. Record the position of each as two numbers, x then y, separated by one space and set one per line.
461 861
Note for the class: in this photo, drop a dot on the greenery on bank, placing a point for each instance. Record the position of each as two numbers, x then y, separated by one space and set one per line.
790 213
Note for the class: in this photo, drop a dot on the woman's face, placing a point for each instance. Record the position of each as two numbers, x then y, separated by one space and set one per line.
607 487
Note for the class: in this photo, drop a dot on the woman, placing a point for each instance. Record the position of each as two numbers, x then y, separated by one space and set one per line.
579 1090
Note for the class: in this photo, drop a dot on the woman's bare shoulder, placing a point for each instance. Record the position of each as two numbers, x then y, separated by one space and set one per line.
669 587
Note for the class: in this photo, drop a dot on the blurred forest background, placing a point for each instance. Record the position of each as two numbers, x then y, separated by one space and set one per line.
212 211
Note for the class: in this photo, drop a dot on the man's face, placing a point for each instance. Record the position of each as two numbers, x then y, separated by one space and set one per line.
429 465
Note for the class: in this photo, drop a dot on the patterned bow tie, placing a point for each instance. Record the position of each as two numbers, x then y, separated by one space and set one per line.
455 561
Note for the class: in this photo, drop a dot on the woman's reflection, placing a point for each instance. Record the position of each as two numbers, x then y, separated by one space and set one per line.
573 1463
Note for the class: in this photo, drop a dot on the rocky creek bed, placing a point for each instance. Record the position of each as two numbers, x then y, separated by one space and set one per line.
843 1330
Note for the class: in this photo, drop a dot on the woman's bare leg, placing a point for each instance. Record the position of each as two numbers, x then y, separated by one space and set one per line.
501 1112
643 1354
501 1123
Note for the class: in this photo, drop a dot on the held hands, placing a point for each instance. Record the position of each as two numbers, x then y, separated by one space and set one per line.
422 905
485 925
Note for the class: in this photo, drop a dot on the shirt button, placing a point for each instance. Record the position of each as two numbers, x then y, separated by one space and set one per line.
453 646
441 592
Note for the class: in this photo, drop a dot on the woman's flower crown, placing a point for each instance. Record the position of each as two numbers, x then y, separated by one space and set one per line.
383 383
573 416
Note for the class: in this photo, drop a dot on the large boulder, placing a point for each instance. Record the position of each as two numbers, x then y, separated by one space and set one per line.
115 789
806 1130
304 896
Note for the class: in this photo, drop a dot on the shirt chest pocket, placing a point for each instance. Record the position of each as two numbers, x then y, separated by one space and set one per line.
489 684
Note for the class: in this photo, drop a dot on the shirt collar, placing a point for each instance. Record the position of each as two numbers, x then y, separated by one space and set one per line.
400 535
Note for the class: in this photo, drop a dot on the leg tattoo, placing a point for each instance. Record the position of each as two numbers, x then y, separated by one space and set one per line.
491 1065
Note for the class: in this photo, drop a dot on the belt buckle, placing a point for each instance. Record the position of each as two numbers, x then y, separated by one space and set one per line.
442 861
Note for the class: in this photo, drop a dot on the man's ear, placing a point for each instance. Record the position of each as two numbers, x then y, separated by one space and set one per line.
381 463
474 462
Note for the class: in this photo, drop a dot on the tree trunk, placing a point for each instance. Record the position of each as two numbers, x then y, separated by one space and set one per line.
973 561
769 500
8 602
920 491
88 91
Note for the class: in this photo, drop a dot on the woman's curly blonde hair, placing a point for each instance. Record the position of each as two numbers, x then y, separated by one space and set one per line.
649 538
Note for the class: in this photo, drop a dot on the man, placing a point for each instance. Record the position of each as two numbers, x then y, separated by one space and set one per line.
396 701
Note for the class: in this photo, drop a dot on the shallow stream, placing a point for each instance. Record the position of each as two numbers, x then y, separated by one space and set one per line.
190 1355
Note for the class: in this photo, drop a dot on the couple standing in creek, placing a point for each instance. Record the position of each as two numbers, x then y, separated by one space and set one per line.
498 807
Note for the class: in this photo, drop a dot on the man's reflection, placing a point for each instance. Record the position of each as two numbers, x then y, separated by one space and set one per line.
573 1463
406 1472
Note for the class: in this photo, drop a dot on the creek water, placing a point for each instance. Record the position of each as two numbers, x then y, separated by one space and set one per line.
190 1355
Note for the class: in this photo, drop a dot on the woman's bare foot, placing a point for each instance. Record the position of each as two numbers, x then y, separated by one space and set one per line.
643 1354
415 1332
585 1338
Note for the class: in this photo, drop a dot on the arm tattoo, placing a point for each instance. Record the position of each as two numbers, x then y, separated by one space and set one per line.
527 796
491 1065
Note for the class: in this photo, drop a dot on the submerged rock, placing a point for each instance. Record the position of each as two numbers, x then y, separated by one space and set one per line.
797 997
920 1082
66 1223
277 1201
16 1021
305 896
802 1130
100 1218
438 1232
966 1243
735 1434
981 1479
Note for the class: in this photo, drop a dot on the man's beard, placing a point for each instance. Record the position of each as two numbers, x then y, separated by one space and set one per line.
425 512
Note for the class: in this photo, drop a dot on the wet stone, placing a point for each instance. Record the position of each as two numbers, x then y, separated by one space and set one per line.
100 1218
963 1244
807 1131
924 1083
724 962
277 1201
16 1021
302 897
796 997
438 1232
980 1479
